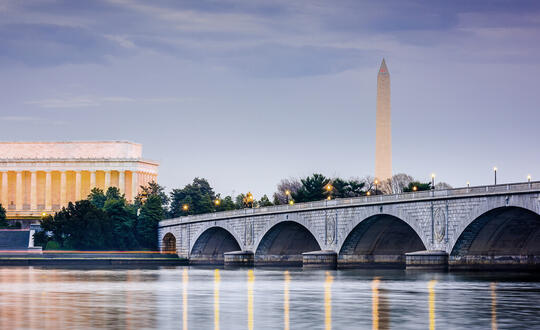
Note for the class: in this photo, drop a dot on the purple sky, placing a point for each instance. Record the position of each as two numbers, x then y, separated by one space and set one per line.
245 93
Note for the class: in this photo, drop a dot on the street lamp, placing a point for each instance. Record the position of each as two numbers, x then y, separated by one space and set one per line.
376 182
529 178
432 180
495 174
468 184
185 207
368 193
291 202
415 188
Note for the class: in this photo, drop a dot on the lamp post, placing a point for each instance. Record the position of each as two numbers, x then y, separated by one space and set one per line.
495 174
185 207
376 183
529 180
288 194
329 189
468 184
432 181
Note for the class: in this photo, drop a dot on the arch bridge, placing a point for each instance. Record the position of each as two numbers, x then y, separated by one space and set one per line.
475 227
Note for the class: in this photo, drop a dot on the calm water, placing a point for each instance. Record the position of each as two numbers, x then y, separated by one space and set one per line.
196 298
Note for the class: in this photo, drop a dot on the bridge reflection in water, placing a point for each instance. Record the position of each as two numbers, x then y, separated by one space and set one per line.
287 281
431 288
493 287
380 311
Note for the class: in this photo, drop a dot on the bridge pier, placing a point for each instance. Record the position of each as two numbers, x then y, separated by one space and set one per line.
427 260
238 259
319 260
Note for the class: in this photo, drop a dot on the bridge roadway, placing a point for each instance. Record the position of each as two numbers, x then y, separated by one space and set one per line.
474 227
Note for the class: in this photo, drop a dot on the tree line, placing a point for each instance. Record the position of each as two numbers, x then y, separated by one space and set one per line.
107 221
104 221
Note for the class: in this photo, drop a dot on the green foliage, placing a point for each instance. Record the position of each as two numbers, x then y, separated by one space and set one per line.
312 189
97 197
198 196
52 245
124 221
152 189
41 238
87 227
226 204
264 201
419 186
151 214
3 221
346 189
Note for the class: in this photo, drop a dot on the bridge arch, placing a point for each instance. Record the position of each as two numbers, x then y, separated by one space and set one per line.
283 244
168 243
210 244
505 235
380 240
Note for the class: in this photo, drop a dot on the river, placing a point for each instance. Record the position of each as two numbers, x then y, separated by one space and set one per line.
207 298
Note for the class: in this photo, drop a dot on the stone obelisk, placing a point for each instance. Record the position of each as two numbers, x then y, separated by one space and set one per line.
383 138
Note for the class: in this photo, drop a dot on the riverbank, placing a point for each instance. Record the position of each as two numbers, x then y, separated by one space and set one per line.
89 258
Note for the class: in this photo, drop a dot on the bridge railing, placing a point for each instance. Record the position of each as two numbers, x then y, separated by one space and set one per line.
463 191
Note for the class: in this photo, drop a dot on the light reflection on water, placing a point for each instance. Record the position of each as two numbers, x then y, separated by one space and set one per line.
197 298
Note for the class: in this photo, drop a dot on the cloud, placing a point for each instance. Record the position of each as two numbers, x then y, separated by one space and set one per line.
50 45
260 38
86 101
29 119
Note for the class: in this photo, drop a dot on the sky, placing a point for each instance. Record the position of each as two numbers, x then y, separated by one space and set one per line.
246 93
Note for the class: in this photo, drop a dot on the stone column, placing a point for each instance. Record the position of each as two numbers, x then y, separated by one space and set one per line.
33 190
107 180
134 185
63 189
122 181
5 197
19 191
92 179
78 185
48 190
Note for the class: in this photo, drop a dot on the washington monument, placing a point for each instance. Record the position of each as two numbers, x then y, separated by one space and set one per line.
383 138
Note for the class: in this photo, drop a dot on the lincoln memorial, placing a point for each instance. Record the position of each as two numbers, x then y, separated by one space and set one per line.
42 177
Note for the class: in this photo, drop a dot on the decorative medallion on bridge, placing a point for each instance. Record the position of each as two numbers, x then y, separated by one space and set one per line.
330 229
249 233
439 218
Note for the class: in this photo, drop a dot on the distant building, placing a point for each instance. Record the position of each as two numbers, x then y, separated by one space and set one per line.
383 138
42 177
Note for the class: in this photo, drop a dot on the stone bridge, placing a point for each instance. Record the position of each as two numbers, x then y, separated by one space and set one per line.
473 227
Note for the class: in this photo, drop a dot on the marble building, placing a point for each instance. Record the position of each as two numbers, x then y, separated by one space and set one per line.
383 138
42 177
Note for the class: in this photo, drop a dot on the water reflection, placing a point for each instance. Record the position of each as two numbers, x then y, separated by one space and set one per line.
251 280
328 301
431 289
185 299
493 287
195 298
216 299
286 300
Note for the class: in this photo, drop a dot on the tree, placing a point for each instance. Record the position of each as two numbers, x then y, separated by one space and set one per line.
290 185
226 204
346 189
312 189
124 221
3 221
417 186
264 201
97 197
147 224
198 196
152 188
113 193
